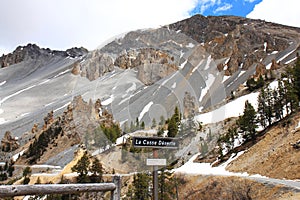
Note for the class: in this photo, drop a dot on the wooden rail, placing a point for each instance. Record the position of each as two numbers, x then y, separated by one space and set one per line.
42 189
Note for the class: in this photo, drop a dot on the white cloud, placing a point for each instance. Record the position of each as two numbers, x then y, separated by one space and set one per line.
63 24
250 1
225 7
278 11
207 4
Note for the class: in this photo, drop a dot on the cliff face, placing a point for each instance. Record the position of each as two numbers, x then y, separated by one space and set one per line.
95 65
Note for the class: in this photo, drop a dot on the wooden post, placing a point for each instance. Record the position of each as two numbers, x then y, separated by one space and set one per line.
42 189
116 193
155 176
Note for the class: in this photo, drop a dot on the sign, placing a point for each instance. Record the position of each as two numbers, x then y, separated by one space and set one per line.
155 142
156 162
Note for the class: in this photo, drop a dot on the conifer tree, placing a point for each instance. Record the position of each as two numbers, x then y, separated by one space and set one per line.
297 77
262 108
247 122
269 105
141 186
96 170
153 123
172 127
82 168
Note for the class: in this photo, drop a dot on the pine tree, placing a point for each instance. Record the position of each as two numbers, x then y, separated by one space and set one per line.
137 124
153 123
177 115
269 105
143 125
172 127
247 122
262 108
26 174
141 186
278 103
297 77
82 168
96 170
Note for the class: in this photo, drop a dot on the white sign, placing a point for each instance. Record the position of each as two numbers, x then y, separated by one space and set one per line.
156 162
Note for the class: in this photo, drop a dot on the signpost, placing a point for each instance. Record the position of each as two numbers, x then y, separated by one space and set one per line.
155 143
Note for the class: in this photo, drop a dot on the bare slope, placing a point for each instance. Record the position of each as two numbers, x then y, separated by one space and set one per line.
273 156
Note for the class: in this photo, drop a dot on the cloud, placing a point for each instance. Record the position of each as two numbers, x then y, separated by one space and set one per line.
63 24
207 4
225 7
278 11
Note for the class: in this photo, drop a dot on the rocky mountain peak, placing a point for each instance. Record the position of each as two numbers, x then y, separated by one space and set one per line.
34 52
243 41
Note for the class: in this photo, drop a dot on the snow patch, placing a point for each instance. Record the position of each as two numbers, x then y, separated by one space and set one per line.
225 78
132 88
43 82
16 156
24 114
62 107
274 52
173 86
190 45
286 55
231 109
288 62
208 62
2 83
265 46
183 64
145 110
108 101
16 93
210 80
62 73
269 66
206 169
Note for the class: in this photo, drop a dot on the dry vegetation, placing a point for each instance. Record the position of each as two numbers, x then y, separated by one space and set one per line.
232 188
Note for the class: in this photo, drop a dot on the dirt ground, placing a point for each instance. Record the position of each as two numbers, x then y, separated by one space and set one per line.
232 188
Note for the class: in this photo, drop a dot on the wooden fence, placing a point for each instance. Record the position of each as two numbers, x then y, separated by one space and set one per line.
43 189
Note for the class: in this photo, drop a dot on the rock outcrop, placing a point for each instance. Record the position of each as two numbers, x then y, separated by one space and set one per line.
151 64
8 143
94 66
189 105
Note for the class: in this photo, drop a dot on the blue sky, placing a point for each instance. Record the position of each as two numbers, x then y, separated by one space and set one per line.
225 7
64 24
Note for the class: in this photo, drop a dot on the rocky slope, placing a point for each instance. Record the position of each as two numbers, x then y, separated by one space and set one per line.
243 41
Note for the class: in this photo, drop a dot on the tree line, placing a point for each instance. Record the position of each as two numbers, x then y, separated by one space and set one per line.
273 105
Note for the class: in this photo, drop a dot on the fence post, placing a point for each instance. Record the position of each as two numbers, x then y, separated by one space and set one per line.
116 193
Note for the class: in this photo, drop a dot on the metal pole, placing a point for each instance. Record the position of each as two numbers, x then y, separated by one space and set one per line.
155 176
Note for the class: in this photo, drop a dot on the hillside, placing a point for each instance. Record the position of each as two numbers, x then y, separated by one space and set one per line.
273 156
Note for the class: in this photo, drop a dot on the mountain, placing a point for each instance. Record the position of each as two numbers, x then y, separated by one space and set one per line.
196 65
